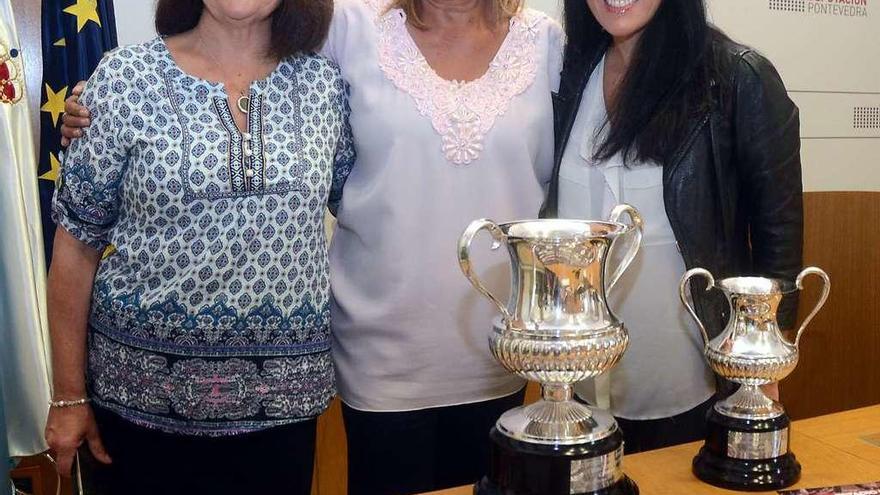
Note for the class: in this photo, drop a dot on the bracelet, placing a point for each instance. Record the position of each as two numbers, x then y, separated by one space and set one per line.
62 404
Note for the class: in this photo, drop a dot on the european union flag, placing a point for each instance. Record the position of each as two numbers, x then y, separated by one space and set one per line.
76 34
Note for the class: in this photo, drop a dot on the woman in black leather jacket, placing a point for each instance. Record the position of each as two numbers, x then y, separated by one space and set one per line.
659 109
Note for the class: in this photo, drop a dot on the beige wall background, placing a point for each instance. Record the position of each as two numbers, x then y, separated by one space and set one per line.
828 52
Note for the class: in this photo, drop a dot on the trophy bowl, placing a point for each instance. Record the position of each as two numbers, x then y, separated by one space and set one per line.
753 352
557 362
557 330
559 359
752 371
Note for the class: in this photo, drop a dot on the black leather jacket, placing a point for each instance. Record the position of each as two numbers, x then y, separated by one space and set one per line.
733 190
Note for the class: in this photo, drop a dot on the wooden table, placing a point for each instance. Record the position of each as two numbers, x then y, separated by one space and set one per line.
837 449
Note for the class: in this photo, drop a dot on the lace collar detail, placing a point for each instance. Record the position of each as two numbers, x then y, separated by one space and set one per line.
461 112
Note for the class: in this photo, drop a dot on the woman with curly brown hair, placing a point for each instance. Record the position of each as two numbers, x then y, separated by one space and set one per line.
452 120
196 356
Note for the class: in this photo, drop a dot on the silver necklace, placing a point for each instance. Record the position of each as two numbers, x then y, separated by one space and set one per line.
244 99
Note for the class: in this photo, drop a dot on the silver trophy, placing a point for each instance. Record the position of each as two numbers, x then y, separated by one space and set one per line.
748 434
557 329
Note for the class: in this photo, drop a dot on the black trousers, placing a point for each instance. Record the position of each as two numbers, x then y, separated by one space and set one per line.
275 461
401 453
642 435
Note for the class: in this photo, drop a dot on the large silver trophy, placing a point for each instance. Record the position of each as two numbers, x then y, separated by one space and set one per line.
747 447
557 329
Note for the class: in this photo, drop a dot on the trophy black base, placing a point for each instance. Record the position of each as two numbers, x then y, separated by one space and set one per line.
521 468
747 455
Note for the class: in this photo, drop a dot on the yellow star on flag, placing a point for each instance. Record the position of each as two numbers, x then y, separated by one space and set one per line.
54 103
55 169
85 11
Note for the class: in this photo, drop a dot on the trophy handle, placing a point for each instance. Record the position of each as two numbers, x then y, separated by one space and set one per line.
826 289
464 257
638 225
682 292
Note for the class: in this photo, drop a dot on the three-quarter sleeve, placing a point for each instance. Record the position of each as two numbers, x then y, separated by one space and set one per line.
87 200
345 153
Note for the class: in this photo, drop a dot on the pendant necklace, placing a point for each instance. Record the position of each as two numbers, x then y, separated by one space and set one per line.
244 102
244 98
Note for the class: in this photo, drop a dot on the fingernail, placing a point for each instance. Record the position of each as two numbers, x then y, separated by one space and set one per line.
78 133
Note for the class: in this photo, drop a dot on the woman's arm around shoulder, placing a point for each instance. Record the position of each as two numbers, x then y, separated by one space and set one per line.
76 116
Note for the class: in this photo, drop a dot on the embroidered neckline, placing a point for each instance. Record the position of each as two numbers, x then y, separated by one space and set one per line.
462 113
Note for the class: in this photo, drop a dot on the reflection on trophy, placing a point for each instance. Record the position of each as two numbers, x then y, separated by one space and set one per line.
748 435
557 329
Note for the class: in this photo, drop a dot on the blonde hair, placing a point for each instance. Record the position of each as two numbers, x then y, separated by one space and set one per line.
503 9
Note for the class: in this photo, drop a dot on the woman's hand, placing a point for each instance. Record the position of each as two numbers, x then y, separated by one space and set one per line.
70 285
75 116
66 430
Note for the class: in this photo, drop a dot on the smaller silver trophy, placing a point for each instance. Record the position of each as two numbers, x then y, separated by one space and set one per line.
557 329
747 447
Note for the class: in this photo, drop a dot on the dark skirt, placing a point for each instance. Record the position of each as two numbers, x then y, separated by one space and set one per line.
400 453
279 460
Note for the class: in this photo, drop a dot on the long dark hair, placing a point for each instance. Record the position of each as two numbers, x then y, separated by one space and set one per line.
298 26
668 80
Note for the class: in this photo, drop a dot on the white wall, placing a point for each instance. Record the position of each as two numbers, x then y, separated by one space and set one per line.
828 55
134 20
552 7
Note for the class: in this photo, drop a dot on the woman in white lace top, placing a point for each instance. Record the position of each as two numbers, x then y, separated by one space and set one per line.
452 119
420 388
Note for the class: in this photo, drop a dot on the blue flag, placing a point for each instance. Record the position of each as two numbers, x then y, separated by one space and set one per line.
76 34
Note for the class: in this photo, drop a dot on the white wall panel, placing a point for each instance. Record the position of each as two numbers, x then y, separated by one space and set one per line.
134 20
552 7
828 53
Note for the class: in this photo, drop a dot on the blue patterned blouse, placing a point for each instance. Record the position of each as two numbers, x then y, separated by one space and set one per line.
211 316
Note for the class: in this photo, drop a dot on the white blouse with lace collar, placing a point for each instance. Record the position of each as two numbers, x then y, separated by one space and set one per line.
433 155
462 113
